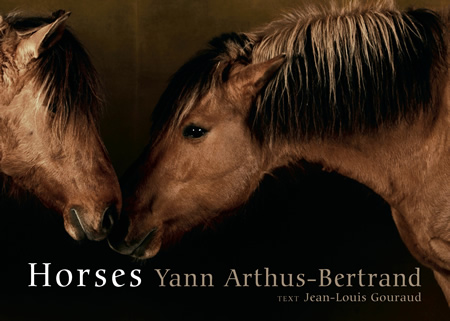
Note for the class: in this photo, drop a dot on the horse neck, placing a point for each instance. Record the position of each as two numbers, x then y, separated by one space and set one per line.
393 162
396 161
409 166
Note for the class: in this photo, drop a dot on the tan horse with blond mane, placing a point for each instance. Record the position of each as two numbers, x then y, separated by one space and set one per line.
362 90
50 101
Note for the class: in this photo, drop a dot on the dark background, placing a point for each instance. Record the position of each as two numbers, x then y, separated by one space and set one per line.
297 223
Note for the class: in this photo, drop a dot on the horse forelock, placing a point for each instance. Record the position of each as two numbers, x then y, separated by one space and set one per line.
352 68
64 78
205 71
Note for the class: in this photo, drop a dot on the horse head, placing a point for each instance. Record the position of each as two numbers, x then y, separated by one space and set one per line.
204 164
49 139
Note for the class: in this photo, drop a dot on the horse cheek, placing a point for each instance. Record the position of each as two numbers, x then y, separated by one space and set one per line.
240 182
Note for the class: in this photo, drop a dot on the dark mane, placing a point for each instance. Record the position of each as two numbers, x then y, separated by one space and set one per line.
348 70
65 75
352 69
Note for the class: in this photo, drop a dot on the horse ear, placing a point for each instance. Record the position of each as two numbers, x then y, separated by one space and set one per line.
43 37
254 77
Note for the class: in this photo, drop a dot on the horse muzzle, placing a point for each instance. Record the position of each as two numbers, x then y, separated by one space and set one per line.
81 224
140 248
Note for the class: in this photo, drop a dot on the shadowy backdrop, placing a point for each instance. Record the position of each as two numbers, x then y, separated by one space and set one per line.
297 224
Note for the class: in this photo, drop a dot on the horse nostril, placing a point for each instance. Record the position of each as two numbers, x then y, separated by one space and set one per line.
75 223
109 218
74 212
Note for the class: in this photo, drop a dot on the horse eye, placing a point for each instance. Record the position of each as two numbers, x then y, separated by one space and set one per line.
192 131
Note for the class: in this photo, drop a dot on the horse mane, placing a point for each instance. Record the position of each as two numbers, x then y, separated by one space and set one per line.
64 75
350 69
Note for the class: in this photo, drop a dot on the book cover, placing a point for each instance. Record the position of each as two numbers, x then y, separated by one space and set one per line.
308 244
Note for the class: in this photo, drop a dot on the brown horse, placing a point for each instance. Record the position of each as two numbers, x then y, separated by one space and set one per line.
362 90
49 141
